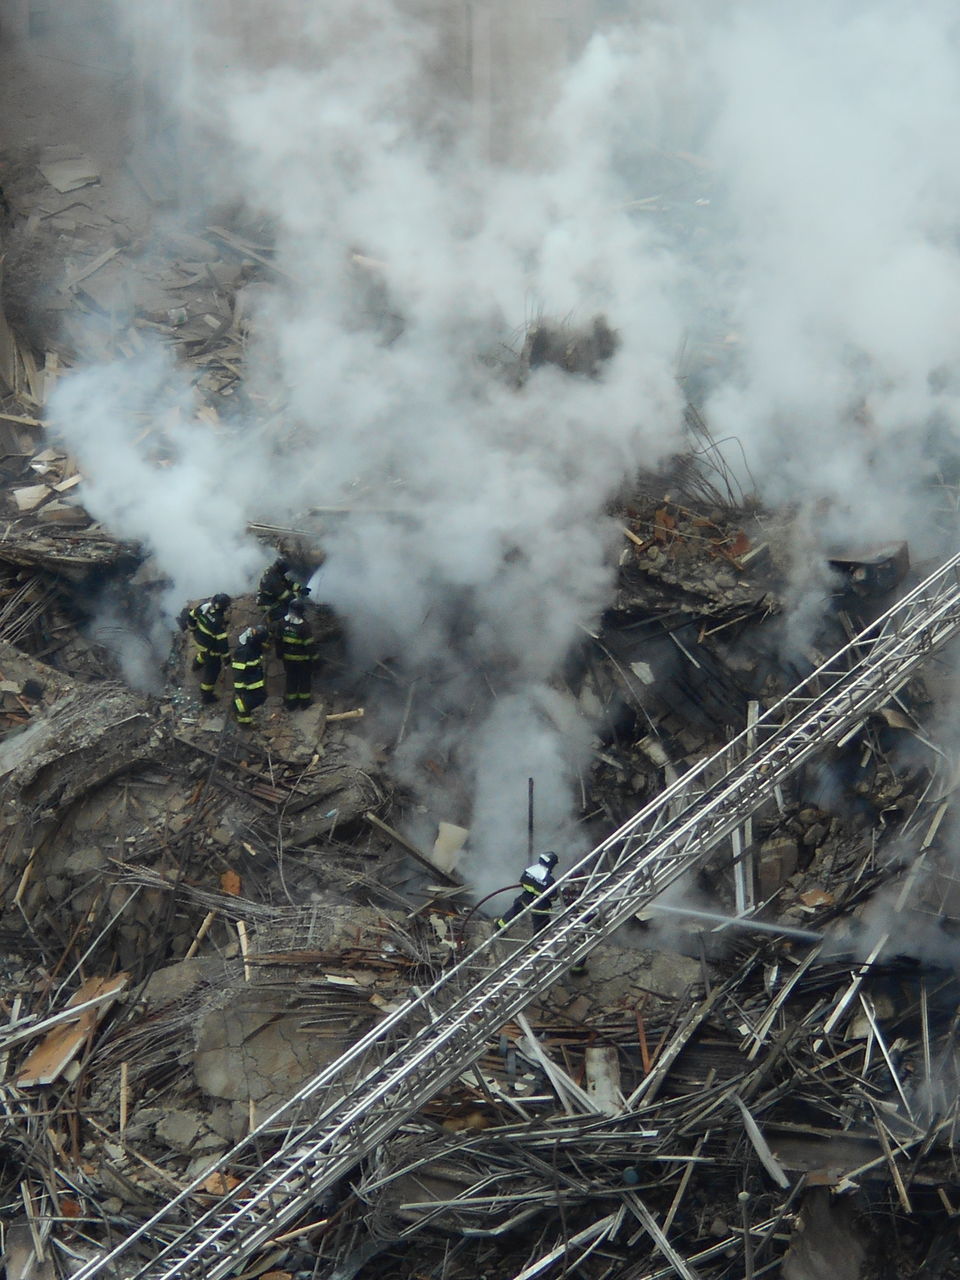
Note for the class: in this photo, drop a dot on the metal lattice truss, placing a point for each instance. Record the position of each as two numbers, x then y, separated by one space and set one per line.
357 1102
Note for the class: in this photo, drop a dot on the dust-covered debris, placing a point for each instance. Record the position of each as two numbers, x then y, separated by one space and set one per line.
266 924
704 1096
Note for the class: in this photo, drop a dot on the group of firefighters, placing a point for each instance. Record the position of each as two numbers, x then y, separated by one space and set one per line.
282 600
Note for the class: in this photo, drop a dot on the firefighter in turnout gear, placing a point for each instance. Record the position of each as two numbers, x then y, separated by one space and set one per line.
277 588
208 622
296 648
249 690
536 884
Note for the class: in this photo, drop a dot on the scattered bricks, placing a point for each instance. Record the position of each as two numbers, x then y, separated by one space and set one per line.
179 1129
653 749
809 816
817 897
578 1009
56 888
84 862
778 861
814 835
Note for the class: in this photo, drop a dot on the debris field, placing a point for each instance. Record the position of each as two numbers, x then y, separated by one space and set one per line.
197 920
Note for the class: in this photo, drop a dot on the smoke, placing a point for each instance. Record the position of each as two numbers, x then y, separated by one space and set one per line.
135 633
155 476
530 734
773 173
839 203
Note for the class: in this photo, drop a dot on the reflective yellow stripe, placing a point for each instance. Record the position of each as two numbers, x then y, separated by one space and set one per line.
207 631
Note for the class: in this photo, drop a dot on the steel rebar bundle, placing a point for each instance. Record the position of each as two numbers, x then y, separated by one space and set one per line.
310 1143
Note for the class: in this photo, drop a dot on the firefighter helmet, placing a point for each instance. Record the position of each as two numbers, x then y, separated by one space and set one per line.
221 601
549 859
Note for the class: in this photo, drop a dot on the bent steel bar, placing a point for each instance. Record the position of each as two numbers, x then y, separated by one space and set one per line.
333 1121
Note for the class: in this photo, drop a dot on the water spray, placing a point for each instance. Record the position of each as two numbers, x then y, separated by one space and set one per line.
740 922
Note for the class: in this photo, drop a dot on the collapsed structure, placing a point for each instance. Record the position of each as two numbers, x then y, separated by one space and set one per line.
256 1019
167 839
433 1039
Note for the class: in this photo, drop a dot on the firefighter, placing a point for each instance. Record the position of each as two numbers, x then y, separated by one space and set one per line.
249 691
536 884
296 648
208 622
277 588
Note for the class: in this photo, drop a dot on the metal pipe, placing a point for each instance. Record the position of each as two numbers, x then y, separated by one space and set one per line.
530 819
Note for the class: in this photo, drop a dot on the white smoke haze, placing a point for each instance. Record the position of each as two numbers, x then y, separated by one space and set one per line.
531 733
139 649
842 196
155 476
809 581
827 246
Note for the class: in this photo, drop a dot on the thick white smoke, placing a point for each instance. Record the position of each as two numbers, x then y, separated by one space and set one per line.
840 200
818 229
154 475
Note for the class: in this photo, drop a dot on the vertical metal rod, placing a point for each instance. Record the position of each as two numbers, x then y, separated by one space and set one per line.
744 1198
530 819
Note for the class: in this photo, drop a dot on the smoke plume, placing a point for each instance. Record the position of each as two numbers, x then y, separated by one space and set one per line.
771 176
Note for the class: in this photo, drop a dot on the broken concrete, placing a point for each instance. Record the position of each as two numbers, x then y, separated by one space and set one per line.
268 833
76 745
827 1240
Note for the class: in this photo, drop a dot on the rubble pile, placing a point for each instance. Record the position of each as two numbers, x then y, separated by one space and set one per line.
197 920
574 349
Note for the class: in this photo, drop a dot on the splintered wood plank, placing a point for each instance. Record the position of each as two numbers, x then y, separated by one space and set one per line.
54 1053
